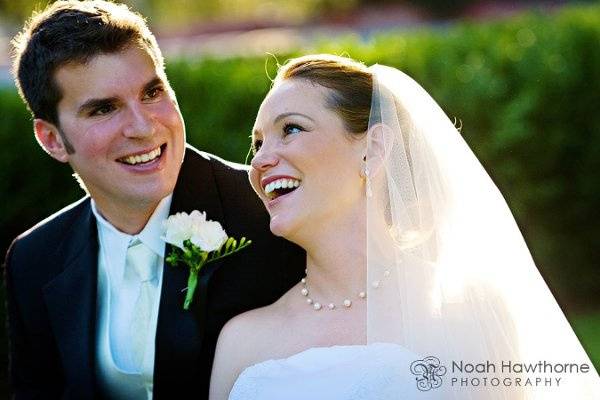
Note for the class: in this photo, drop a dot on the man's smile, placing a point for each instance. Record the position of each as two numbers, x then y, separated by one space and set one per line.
142 157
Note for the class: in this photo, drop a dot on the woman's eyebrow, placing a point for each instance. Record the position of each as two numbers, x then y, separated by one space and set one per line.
289 114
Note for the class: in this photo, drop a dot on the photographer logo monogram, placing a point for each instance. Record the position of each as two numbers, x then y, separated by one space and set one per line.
428 372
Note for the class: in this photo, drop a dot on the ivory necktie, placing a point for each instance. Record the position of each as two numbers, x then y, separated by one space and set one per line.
142 261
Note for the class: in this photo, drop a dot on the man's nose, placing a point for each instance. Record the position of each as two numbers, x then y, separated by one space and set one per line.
140 123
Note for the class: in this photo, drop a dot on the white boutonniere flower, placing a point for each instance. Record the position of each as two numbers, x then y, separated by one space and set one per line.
196 242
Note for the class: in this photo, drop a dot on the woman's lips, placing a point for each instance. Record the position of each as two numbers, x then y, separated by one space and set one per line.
278 199
277 186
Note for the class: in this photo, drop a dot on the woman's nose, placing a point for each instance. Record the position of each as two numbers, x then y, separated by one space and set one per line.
264 159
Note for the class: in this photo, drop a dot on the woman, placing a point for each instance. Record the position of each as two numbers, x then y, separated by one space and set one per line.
415 265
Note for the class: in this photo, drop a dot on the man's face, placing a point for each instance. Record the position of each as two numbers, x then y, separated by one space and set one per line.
122 119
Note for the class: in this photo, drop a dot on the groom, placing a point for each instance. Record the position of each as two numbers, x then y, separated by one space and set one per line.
92 75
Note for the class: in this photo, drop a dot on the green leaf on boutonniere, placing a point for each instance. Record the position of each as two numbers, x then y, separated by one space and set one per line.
196 242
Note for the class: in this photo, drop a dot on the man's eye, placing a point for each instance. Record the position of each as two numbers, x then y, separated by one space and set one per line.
102 110
154 92
256 146
290 129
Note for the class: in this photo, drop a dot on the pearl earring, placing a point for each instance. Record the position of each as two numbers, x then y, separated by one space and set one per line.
368 182
366 177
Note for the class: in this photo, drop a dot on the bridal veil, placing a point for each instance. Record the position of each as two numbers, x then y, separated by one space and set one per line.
449 274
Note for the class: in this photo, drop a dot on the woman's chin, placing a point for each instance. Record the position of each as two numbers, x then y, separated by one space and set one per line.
281 226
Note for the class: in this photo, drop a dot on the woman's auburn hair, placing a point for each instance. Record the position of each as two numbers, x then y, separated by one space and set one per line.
350 82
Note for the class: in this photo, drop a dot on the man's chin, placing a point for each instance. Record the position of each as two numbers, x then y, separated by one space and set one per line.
132 200
148 198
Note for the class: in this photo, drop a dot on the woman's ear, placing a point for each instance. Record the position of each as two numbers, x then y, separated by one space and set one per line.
48 136
379 143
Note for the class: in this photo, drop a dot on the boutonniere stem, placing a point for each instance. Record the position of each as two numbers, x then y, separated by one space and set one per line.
196 242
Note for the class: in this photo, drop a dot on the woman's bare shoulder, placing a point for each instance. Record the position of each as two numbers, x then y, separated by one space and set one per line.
258 325
245 340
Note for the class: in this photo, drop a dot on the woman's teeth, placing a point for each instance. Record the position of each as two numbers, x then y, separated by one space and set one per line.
287 184
142 158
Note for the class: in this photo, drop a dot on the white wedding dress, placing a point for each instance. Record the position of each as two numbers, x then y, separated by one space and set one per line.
379 371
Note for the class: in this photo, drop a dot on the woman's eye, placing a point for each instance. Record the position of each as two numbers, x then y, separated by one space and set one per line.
290 129
256 146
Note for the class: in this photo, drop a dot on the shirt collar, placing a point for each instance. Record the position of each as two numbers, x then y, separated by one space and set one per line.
152 233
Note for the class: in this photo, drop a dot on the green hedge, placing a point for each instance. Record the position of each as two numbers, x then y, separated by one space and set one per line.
525 89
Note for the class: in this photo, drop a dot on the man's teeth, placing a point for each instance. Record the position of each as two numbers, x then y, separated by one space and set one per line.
142 158
281 184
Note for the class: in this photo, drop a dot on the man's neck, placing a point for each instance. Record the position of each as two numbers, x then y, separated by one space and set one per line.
130 219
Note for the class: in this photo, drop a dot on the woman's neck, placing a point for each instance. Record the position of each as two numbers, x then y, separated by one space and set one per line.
336 253
337 259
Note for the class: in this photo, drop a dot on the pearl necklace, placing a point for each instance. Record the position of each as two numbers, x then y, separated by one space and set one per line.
317 306
347 302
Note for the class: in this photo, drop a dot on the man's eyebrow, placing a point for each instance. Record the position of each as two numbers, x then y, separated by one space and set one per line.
95 103
154 82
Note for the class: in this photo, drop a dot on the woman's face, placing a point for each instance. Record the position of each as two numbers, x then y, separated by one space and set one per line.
306 167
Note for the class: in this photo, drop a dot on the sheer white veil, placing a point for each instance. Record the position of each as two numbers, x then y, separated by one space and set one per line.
449 273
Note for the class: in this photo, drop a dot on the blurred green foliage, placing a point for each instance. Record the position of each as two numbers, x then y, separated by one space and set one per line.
168 14
525 90
587 326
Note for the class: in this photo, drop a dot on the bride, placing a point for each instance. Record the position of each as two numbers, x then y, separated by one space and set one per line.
418 282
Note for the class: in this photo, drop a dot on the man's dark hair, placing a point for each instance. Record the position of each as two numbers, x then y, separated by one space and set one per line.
72 32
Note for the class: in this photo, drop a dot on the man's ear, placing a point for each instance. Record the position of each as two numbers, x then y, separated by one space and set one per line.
49 137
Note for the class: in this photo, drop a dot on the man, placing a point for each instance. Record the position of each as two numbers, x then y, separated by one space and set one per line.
84 320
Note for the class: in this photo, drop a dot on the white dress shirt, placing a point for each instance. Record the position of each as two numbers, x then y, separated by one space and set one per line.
118 289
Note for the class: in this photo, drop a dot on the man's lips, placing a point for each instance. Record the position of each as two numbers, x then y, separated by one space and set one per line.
142 156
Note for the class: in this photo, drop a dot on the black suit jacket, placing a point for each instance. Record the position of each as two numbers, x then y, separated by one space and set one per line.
51 280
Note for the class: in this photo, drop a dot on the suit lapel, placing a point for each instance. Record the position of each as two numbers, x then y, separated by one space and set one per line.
179 332
71 301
